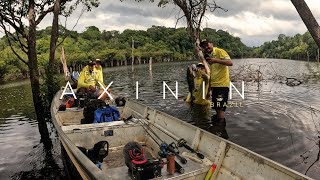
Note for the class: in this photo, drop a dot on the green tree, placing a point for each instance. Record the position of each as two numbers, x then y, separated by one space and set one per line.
23 40
91 33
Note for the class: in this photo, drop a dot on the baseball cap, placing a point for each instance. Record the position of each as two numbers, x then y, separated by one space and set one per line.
200 65
91 63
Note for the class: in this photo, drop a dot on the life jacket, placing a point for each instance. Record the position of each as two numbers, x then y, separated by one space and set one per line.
70 102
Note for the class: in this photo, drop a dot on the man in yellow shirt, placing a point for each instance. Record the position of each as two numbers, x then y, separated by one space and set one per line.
219 61
89 80
98 67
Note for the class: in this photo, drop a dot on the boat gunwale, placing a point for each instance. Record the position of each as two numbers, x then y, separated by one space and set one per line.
91 170
95 173
230 144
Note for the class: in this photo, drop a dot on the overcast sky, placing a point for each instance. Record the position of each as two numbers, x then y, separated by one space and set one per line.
254 21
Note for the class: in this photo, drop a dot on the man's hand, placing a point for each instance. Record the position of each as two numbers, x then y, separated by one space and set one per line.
91 88
198 49
211 60
226 62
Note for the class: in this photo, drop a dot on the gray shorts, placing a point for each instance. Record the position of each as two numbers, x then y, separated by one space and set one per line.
94 95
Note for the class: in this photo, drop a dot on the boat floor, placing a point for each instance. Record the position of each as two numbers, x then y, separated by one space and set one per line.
114 166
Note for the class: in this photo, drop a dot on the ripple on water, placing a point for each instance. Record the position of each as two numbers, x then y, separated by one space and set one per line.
275 120
17 139
281 124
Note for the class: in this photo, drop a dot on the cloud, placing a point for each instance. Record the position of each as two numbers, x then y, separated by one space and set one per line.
254 21
116 15
255 29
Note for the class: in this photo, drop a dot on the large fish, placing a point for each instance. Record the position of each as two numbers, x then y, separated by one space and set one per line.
190 79
198 84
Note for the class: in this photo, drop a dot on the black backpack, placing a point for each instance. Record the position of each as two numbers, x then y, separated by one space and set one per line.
90 107
97 153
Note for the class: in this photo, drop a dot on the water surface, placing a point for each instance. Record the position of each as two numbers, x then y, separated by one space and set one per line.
275 120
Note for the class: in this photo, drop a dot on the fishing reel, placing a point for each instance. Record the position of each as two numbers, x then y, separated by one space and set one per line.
181 143
163 150
174 147
166 149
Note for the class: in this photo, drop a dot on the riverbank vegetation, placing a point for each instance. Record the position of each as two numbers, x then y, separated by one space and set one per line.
298 47
114 48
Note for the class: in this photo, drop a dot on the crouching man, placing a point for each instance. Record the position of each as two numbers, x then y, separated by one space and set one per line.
88 82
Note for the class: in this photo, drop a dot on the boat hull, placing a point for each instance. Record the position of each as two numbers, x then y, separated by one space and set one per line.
232 161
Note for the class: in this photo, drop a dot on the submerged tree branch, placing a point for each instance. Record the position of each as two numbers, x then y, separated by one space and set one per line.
318 158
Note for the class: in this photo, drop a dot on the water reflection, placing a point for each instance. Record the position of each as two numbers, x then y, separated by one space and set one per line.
150 76
276 121
22 155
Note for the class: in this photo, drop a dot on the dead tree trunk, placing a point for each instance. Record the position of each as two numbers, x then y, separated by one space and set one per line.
51 69
194 12
308 19
54 34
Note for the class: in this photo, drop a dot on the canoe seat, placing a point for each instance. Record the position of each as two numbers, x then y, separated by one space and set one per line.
73 116
70 117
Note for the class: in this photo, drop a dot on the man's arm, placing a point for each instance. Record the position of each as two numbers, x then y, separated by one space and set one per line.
100 75
202 59
99 82
226 62
81 82
205 76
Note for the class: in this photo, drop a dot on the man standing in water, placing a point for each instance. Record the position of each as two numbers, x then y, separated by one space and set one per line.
219 61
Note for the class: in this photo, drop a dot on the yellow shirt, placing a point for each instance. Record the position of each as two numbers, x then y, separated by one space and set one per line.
87 79
219 74
99 70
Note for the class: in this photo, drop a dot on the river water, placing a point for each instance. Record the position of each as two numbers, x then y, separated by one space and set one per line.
275 120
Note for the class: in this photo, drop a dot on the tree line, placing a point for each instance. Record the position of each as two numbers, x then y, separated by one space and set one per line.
114 48
298 47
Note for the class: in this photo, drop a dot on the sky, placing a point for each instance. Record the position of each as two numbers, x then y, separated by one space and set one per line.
254 21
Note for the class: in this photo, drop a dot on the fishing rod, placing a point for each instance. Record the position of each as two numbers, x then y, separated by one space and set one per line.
131 117
181 142
171 147
163 146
